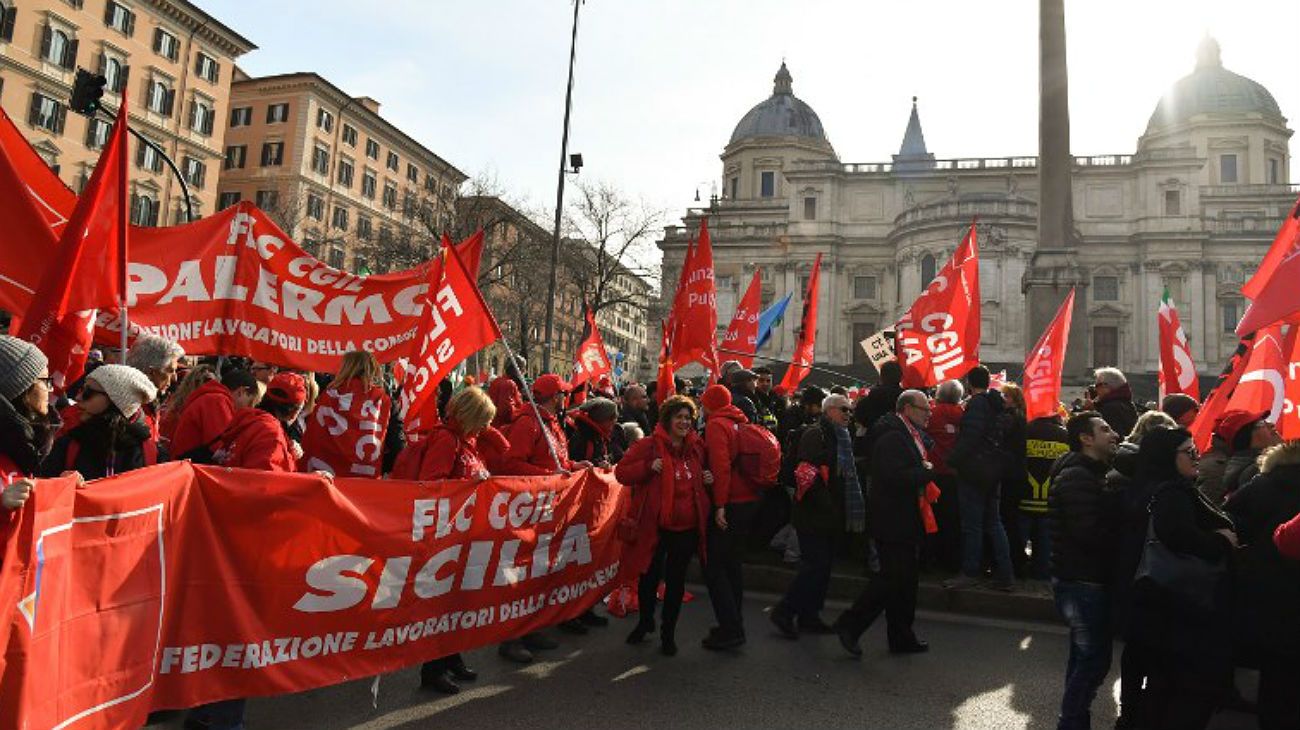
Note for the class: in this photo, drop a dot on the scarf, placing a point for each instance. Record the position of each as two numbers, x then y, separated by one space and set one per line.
855 507
930 493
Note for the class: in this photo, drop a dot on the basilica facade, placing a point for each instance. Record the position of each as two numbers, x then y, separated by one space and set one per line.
1192 210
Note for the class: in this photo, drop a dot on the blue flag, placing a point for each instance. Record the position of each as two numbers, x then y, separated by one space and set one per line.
770 319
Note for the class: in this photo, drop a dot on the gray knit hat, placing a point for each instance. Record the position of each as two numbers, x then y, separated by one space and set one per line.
126 387
21 364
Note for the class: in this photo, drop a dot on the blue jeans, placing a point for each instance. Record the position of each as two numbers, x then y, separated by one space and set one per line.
1086 610
224 715
979 517
1034 530
807 592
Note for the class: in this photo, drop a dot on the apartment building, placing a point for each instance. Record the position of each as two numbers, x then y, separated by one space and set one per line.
172 62
339 178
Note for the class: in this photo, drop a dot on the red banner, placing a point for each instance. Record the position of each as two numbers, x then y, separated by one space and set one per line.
742 334
1217 401
1046 361
456 324
35 206
1177 371
806 346
695 309
939 337
1272 288
195 584
1285 242
592 361
1289 424
1262 386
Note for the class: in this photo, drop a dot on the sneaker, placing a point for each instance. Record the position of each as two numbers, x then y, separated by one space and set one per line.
537 641
593 619
515 651
963 582
783 622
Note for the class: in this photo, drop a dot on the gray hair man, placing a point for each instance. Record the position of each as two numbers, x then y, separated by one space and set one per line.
158 358
1113 399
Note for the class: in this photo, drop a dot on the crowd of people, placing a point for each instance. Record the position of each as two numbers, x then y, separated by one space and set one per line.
1192 560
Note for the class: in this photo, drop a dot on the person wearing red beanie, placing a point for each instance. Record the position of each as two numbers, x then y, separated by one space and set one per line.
735 503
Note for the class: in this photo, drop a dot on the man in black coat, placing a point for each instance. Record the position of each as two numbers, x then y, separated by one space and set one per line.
900 472
1082 540
1114 400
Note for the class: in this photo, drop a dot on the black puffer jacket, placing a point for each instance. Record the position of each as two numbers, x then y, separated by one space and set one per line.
1266 595
898 479
25 443
1118 409
98 453
1082 531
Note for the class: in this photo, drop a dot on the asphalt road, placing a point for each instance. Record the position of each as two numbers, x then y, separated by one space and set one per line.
978 674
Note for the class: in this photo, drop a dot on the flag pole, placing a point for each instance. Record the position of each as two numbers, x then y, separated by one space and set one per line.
122 229
785 362
510 353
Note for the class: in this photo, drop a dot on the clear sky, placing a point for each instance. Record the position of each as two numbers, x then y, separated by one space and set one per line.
661 83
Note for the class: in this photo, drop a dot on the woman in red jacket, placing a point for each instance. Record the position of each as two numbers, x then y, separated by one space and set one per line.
345 434
257 437
667 476
452 453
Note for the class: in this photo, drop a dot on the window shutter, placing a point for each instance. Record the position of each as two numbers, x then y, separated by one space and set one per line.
139 162
123 71
102 63
189 121
216 72
60 114
169 102
198 65
70 54
208 120
46 36
108 12
135 209
130 24
34 114
157 39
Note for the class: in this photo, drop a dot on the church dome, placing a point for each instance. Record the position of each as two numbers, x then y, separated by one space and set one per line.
1212 89
781 115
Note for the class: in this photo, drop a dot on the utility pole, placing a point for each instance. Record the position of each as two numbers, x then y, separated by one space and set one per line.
559 197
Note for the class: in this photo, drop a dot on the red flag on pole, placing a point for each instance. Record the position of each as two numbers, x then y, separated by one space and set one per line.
665 384
591 361
455 324
30 220
806 346
1217 401
88 268
1177 372
1272 289
742 333
1289 424
1045 363
939 337
1262 386
695 312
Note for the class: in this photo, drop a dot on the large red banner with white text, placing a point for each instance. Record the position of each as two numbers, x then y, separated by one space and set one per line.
177 585
939 336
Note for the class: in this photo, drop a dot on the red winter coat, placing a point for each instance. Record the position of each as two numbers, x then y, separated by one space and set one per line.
203 418
1287 538
729 485
944 420
345 433
255 439
528 454
675 499
504 393
450 455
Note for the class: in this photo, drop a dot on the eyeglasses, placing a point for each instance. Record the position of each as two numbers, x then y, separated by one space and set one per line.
1191 452
47 381
926 409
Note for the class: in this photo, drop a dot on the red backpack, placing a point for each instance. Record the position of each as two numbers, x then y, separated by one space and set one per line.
407 464
758 454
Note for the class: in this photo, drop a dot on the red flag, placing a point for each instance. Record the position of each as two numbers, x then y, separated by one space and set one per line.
665 383
805 348
1217 401
1177 372
591 361
30 222
940 335
742 334
88 266
1045 363
695 312
455 324
1289 424
1262 386
1285 243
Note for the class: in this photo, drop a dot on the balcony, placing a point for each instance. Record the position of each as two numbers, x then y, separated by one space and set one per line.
1250 191
960 163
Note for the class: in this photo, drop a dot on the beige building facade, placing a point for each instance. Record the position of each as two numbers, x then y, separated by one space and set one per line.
1192 210
339 177
171 61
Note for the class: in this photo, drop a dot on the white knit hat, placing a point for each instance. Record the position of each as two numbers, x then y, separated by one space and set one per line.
126 387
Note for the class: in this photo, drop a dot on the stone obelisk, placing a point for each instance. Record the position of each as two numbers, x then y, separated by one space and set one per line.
1054 267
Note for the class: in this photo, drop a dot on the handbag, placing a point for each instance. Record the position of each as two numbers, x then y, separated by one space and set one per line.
1193 580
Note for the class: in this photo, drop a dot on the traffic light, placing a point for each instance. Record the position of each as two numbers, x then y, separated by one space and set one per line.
87 90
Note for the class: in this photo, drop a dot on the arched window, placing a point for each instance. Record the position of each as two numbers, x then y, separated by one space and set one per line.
927 270
144 210
113 74
58 46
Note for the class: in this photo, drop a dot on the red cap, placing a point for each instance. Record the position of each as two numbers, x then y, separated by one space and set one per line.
548 385
1233 421
287 388
715 397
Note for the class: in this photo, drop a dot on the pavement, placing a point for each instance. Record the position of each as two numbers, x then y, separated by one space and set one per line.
980 673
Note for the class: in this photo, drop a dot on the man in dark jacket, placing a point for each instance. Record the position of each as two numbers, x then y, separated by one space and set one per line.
768 403
879 400
900 473
1114 400
822 499
979 460
1082 540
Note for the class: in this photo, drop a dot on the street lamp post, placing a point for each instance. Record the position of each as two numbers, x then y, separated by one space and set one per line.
559 196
